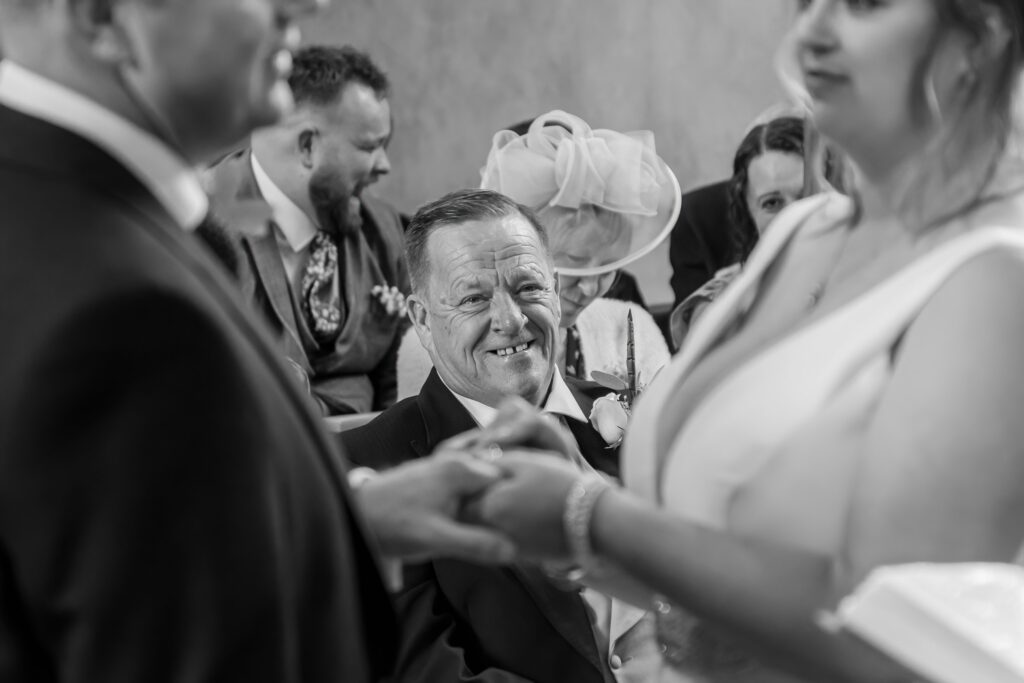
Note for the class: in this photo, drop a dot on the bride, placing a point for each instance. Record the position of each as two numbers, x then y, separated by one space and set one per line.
853 400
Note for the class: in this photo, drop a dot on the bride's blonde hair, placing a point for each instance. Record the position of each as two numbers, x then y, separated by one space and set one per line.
956 169
954 172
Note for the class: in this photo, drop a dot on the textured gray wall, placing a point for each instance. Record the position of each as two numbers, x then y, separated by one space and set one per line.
693 71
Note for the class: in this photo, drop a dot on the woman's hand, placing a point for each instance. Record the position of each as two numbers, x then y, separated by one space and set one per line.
528 503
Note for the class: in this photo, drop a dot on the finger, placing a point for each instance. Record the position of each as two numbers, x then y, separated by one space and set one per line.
481 473
527 430
473 543
542 434
469 476
462 442
515 415
520 466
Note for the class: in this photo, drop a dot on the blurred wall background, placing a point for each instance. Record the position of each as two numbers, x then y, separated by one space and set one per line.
693 71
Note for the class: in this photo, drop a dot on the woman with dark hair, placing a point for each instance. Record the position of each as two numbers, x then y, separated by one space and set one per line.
853 399
768 175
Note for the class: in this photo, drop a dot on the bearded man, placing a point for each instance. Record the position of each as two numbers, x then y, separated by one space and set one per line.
326 272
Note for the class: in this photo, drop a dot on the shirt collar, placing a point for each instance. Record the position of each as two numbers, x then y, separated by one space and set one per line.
560 401
165 174
292 221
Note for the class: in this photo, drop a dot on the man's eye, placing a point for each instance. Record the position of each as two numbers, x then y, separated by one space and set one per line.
472 300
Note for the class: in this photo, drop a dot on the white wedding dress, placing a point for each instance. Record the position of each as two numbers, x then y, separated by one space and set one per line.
772 442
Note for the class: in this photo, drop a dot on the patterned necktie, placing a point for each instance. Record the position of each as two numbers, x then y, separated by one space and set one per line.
320 301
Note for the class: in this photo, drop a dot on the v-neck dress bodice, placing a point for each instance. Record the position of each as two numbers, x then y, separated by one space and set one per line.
770 448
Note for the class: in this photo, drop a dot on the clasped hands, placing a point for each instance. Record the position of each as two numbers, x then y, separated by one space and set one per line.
466 502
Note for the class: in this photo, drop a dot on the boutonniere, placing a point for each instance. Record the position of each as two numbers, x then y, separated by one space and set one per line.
391 298
609 416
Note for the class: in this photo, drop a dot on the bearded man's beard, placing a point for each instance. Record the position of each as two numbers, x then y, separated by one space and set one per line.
337 212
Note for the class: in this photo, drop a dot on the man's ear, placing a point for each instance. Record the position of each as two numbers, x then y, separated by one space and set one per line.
993 43
101 24
416 309
306 142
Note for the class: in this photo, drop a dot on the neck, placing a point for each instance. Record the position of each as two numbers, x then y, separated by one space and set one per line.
882 172
880 192
886 185
277 165
78 71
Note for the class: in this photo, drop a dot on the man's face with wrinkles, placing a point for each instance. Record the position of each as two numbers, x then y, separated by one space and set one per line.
490 310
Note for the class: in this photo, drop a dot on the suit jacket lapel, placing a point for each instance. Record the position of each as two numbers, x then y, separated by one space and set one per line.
566 611
267 258
592 446
443 415
443 418
271 273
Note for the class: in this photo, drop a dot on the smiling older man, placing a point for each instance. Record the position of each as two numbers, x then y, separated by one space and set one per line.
485 307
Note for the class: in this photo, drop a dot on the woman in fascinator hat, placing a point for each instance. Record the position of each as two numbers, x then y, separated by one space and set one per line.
606 199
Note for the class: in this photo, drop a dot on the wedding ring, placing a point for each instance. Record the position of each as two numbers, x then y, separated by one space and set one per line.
493 452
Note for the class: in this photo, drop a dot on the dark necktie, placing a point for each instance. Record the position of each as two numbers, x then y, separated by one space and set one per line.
321 303
574 363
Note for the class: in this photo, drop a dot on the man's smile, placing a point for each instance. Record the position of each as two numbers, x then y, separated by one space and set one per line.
509 350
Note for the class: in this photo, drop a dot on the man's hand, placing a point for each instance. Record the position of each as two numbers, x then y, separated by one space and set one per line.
517 425
414 510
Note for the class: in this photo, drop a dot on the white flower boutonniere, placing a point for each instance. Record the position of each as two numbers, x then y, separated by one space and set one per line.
391 298
610 413
609 416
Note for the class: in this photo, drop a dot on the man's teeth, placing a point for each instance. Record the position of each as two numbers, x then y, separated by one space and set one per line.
509 350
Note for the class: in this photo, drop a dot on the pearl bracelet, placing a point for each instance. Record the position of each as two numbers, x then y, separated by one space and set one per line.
576 519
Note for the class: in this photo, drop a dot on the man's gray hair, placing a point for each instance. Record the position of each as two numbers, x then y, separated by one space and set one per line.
455 208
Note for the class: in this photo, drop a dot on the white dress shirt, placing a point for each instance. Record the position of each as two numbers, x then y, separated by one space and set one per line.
163 171
293 228
560 402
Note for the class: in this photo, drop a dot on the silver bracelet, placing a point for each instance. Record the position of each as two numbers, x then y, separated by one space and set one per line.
576 519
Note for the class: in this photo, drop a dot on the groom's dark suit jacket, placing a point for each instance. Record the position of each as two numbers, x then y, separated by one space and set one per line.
170 506
465 622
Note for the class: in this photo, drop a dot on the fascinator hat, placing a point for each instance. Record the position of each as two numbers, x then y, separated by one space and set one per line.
605 198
